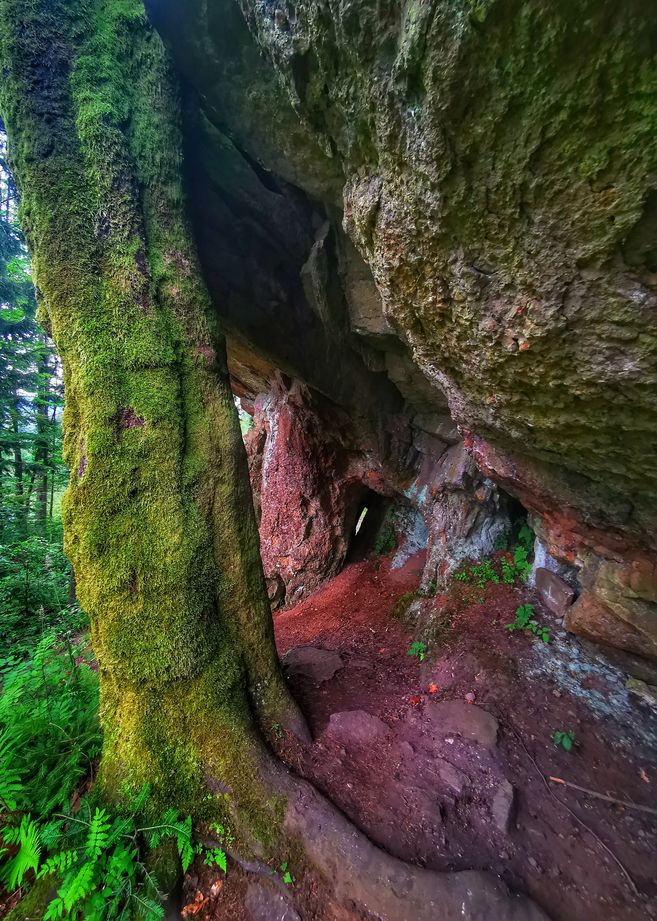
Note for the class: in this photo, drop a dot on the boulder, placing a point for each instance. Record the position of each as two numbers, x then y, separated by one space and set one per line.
355 727
312 662
556 595
618 605
467 720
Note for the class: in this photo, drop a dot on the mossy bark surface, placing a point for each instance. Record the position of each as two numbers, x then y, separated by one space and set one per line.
158 515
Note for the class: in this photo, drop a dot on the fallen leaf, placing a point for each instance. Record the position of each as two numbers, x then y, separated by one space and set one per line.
415 700
644 777
433 688
195 907
382 650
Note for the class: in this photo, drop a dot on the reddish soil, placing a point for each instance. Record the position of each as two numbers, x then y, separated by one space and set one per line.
429 797
531 688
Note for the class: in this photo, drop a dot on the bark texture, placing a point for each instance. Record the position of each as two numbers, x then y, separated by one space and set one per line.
158 515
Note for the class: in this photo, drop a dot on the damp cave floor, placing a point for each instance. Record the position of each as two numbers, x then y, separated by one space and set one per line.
440 762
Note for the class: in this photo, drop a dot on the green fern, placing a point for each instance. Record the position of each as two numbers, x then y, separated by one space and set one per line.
55 910
78 886
96 856
58 863
10 780
98 835
28 856
148 909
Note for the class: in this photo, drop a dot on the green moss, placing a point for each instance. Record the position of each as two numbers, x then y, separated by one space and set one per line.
158 515
402 604
33 905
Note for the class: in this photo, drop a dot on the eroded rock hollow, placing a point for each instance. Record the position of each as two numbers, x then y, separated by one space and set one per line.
429 230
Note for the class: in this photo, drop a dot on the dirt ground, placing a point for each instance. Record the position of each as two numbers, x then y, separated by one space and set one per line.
445 762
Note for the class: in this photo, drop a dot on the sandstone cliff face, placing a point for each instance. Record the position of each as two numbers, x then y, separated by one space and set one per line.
441 215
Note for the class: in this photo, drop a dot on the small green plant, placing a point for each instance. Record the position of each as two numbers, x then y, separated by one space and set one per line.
564 740
418 650
288 879
224 834
215 857
526 622
277 730
509 572
484 573
521 562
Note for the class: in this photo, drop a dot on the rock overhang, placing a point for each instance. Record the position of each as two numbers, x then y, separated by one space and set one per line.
445 204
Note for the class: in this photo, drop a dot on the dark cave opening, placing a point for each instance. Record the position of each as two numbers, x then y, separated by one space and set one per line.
367 518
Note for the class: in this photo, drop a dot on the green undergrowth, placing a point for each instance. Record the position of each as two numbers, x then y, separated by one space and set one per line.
78 857
34 592
511 564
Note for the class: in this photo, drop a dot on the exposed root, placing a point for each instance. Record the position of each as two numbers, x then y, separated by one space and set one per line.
361 873
608 799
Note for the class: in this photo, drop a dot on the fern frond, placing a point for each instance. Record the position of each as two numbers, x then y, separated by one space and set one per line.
10 778
28 855
147 909
98 835
11 835
51 835
121 863
121 828
183 832
59 863
140 800
79 886
55 910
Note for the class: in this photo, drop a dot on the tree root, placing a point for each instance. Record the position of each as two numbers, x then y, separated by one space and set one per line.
361 873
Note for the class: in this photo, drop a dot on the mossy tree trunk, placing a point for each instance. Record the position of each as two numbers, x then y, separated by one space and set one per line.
158 515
